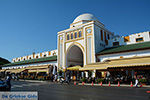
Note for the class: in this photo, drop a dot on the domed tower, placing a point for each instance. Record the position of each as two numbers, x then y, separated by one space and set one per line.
82 19
79 44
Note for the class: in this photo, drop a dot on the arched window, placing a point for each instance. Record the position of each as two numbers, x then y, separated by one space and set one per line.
71 35
75 34
80 34
68 37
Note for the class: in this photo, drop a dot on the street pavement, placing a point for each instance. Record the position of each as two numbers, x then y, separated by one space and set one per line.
56 91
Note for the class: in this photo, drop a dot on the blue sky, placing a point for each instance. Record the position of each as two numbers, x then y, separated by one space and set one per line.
28 26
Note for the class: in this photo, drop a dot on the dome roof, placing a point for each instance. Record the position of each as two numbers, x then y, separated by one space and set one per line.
86 16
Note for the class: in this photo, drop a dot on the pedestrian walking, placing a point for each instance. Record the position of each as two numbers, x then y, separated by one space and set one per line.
55 78
136 82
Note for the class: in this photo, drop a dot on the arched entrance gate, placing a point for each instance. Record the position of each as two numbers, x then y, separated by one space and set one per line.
74 57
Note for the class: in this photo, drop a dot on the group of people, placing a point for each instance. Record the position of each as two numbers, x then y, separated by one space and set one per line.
54 79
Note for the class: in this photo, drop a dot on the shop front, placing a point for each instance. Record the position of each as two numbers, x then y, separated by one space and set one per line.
74 73
124 70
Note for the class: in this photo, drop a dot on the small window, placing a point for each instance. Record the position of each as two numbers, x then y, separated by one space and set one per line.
37 57
80 34
24 59
68 37
106 41
71 35
19 60
105 35
44 55
102 35
30 58
139 39
75 34
115 43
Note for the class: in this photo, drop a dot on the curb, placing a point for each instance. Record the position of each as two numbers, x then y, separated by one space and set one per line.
113 85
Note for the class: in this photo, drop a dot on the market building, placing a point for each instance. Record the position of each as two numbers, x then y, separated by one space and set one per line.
88 46
34 66
88 49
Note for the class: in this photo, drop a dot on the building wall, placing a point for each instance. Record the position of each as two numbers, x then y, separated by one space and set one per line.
34 64
124 55
90 43
116 39
131 39
102 35
145 35
35 56
86 42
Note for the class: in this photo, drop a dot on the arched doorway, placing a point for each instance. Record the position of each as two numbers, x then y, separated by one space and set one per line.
74 57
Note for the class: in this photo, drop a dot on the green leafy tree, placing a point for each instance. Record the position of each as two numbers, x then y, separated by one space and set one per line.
3 61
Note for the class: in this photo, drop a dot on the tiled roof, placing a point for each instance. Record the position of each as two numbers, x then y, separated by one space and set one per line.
125 48
52 58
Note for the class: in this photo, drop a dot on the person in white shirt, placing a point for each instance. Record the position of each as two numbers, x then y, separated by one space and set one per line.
136 82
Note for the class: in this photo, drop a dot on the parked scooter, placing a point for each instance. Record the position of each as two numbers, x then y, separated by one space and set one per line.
62 80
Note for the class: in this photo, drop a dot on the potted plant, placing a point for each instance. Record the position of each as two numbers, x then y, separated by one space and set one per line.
143 81
99 80
84 80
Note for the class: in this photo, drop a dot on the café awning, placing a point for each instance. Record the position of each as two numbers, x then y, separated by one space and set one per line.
116 63
9 70
15 70
43 70
38 70
2 70
38 67
94 66
32 71
74 68
130 62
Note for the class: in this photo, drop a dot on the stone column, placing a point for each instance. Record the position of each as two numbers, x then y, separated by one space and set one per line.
82 74
94 73
86 74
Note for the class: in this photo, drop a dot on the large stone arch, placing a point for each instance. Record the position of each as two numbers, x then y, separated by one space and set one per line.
75 55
